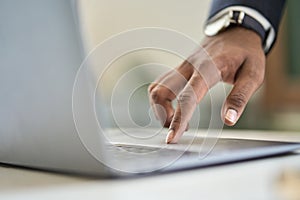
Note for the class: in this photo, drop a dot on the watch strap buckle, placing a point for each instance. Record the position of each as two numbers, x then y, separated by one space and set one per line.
236 17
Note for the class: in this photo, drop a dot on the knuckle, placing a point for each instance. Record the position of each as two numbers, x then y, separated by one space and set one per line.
176 119
238 100
253 75
225 61
155 95
197 78
187 97
178 122
256 76
228 63
160 94
258 72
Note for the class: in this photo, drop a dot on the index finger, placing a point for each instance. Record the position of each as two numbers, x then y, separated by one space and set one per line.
196 88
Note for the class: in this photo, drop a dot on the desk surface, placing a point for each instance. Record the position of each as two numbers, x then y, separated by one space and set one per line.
257 179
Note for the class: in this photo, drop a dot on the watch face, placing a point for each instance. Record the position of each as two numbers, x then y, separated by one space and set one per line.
217 25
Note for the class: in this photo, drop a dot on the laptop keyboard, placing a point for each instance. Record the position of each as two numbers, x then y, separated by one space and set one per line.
136 150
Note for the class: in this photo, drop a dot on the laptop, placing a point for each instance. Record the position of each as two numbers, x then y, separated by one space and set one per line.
40 55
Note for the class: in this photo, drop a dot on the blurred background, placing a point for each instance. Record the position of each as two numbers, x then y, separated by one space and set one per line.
275 106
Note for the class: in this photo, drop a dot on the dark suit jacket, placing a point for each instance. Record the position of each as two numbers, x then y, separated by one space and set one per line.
271 9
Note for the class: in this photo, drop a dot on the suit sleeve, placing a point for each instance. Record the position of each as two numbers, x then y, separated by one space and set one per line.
270 9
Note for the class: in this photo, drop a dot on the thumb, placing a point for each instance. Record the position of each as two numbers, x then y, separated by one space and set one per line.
249 80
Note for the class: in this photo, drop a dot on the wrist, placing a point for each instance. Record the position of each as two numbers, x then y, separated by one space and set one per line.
235 39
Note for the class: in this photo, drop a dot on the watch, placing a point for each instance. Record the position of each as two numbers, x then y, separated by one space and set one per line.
237 18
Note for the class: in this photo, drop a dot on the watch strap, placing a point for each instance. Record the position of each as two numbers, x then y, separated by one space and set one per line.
250 23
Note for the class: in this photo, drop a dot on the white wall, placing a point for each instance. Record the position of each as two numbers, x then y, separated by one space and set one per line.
103 18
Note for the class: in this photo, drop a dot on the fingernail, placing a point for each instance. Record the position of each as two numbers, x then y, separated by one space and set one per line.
231 115
170 136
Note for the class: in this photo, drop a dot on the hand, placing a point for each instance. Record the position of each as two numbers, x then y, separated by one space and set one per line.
236 57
